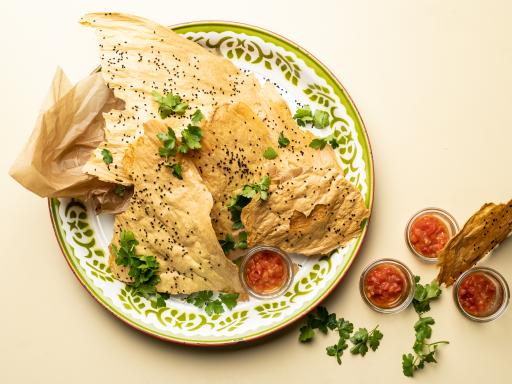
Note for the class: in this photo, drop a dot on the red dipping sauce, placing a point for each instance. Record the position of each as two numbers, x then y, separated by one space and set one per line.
428 235
266 272
478 295
385 285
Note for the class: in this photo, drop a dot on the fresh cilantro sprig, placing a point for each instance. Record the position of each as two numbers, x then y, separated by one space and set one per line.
206 301
424 294
324 321
282 140
270 153
168 140
239 201
142 269
424 352
169 104
176 170
107 156
319 119
362 340
320 143
228 243
190 139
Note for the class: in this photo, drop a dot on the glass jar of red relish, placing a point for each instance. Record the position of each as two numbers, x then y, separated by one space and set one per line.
428 232
387 286
481 294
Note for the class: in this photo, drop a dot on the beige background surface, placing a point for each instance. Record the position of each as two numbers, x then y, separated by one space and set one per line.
432 80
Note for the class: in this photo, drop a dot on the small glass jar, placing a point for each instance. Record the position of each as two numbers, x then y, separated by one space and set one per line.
447 219
500 301
271 293
403 299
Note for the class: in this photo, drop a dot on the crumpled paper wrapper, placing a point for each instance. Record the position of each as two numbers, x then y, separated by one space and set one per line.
69 127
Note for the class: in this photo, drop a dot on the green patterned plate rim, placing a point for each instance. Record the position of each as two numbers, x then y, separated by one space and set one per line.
83 237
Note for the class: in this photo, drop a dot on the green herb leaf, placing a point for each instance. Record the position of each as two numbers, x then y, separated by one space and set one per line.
169 104
199 299
345 328
107 156
363 340
408 365
303 116
197 116
242 240
306 333
424 294
191 138
424 351
374 339
229 299
318 143
142 269
228 244
168 140
320 119
282 140
238 202
270 153
120 190
205 300
176 170
337 349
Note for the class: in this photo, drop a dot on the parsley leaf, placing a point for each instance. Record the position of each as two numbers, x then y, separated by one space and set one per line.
303 116
227 244
199 299
306 333
197 116
424 352
282 140
345 328
229 299
169 104
107 156
205 300
320 143
320 119
142 269
191 138
177 170
424 294
120 190
238 202
363 340
168 140
242 240
337 349
270 153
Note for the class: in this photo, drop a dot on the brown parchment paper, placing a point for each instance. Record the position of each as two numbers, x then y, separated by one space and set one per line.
69 127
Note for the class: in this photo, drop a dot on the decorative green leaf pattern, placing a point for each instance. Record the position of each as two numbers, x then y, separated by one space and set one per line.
319 94
272 310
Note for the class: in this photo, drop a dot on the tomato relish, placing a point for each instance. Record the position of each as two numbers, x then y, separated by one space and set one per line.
478 295
266 271
428 235
385 285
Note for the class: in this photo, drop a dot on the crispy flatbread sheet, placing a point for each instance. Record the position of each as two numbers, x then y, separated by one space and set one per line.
171 220
312 214
230 157
485 230
311 210
138 57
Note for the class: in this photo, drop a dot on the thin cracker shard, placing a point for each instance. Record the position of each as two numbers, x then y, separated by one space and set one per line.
170 219
484 230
